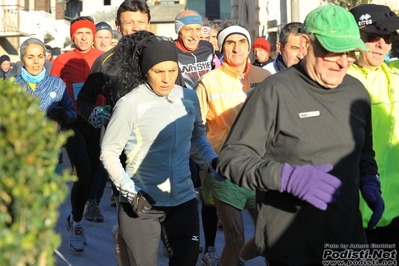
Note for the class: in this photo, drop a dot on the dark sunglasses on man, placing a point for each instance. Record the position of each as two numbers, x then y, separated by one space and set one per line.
375 36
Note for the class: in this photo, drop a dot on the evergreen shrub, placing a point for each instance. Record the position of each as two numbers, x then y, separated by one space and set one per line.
30 189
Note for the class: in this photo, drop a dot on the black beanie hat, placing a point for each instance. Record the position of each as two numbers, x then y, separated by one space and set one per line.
4 58
154 50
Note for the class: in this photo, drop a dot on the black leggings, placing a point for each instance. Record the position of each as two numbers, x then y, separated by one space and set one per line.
83 150
180 226
98 184
209 224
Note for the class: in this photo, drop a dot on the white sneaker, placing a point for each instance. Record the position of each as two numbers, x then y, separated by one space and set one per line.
76 239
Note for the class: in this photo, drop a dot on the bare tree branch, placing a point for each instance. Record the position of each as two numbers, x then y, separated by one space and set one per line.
348 4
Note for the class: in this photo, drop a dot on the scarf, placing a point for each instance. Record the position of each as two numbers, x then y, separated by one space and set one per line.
30 78
279 63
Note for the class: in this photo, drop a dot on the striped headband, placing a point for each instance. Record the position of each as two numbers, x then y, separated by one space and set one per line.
223 34
180 22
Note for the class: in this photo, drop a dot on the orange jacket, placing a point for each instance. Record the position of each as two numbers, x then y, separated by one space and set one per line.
221 94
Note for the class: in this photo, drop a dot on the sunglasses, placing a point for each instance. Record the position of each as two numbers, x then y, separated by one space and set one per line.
375 37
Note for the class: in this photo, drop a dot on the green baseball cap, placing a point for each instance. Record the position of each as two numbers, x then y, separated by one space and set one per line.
335 28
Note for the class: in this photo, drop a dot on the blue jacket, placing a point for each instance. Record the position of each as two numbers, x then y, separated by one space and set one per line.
52 94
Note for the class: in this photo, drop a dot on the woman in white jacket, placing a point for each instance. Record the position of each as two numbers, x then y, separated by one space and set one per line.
155 123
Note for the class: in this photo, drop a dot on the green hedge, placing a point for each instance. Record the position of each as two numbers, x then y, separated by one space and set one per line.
30 189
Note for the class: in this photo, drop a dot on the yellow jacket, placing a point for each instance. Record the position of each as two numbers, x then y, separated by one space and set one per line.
383 87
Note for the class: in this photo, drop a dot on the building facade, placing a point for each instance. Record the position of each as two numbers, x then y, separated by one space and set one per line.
49 20
21 19
264 18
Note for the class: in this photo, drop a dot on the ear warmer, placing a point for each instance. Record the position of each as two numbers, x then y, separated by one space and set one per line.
82 24
223 34
179 23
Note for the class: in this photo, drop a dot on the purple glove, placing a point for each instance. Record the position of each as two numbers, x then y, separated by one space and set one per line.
311 183
370 188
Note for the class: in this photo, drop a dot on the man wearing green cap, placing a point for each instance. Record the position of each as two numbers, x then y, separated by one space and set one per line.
302 141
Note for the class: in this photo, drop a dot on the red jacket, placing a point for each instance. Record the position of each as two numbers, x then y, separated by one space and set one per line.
73 68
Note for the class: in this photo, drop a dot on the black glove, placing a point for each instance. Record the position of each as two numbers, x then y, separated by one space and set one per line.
371 191
142 203
59 114
389 24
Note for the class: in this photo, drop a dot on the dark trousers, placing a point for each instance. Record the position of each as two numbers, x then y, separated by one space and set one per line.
179 225
83 150
385 235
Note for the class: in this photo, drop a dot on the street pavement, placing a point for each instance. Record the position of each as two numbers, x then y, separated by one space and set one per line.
100 250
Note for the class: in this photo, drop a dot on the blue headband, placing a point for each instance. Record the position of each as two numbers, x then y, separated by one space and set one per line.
179 23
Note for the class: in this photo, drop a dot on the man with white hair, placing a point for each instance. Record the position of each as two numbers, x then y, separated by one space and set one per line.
195 58
303 142
221 94
195 55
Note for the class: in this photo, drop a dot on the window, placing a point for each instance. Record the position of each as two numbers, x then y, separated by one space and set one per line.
42 5
212 9
166 2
